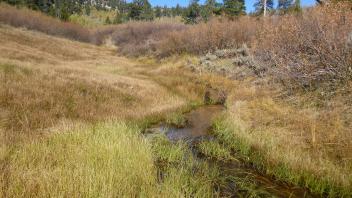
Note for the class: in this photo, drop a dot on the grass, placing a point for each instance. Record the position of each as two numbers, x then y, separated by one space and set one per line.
181 174
56 103
287 142
93 161
215 150
105 160
68 121
176 119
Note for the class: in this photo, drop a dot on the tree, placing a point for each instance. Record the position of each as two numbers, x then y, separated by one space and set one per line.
207 10
147 11
87 9
297 6
234 7
284 4
141 10
166 12
210 6
158 12
178 10
192 14
262 6
218 9
107 20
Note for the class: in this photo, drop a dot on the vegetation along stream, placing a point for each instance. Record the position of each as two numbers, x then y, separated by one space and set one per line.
241 179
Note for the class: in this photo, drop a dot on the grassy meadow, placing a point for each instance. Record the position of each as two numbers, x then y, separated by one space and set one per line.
71 121
75 99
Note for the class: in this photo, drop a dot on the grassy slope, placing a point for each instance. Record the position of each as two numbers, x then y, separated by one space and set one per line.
55 103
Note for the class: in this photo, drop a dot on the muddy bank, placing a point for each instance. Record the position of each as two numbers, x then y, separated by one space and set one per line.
241 179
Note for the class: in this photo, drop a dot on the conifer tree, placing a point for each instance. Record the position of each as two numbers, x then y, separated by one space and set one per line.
234 7
262 6
193 13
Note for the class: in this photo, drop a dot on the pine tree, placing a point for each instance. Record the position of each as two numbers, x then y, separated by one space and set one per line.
166 11
208 9
135 10
218 9
262 6
107 20
141 10
284 4
234 7
178 10
158 12
147 11
297 6
193 13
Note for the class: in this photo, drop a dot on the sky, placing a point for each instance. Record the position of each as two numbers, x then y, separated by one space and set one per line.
249 3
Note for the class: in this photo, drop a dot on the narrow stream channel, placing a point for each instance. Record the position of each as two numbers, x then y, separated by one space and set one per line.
199 124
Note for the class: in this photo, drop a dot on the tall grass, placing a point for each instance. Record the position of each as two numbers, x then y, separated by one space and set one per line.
106 160
298 143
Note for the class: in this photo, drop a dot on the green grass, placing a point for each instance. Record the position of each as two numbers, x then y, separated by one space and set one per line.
176 119
181 174
105 160
213 149
231 135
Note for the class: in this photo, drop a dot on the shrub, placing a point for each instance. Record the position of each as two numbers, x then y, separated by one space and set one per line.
137 38
204 37
37 21
165 39
310 49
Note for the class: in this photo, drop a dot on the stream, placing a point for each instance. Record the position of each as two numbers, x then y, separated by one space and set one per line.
199 122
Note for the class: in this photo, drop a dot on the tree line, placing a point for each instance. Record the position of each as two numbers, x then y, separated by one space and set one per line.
143 10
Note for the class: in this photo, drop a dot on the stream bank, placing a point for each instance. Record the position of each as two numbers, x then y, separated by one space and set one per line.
236 178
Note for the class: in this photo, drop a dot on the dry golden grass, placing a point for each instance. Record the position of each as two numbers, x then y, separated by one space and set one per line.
298 141
56 100
48 79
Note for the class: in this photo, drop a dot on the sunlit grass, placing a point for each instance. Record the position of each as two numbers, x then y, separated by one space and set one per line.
105 160
285 141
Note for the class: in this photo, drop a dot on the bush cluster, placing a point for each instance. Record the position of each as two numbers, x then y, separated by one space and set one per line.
40 22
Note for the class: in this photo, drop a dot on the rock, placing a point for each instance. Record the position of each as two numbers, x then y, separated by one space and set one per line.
243 61
349 41
220 53
226 53
211 57
208 57
244 50
202 59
